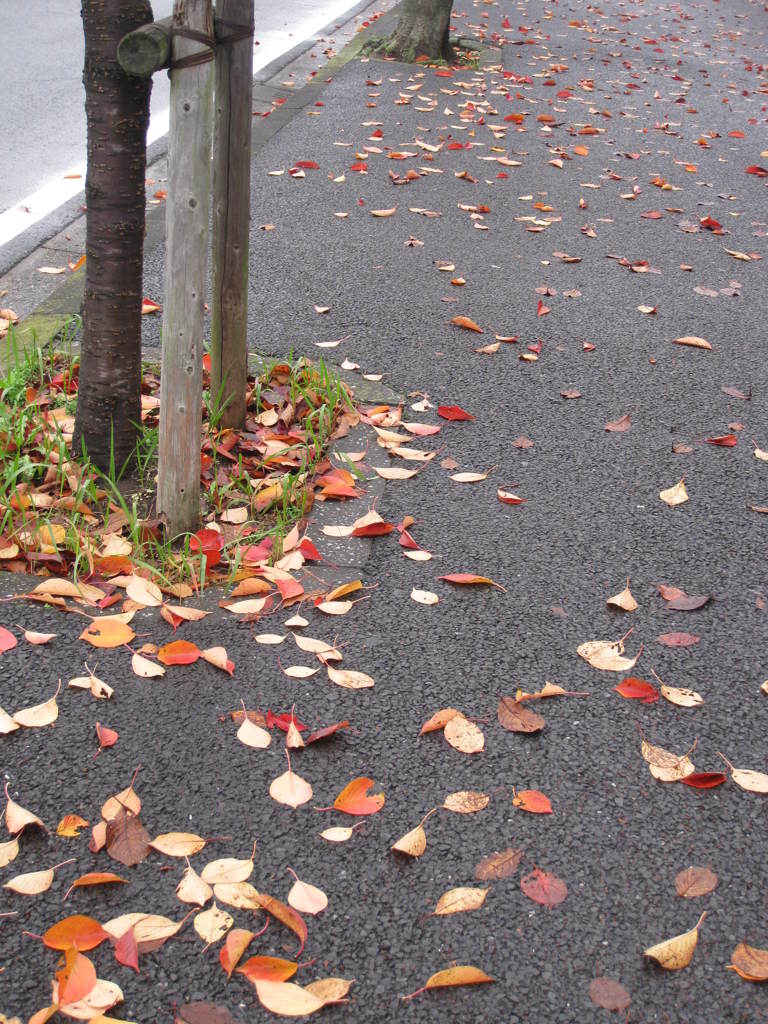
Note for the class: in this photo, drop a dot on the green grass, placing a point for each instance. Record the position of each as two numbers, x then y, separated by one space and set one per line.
53 503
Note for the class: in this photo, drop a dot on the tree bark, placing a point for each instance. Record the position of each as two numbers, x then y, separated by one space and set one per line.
422 31
117 110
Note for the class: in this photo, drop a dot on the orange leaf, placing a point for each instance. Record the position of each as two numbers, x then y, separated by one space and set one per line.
467 323
178 652
76 978
352 799
77 931
468 577
237 942
108 632
266 968
532 800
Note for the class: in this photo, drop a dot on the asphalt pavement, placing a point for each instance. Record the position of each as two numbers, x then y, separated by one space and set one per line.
670 94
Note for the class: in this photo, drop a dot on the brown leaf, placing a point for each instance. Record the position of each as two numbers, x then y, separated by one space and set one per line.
676 953
695 882
692 341
544 887
515 716
127 839
618 426
498 865
466 802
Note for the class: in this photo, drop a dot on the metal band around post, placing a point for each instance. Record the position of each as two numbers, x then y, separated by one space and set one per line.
201 57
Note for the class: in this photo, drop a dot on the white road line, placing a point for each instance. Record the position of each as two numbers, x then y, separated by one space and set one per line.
50 197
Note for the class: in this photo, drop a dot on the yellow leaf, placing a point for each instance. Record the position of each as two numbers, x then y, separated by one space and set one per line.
290 789
607 655
8 852
466 801
424 596
676 953
253 735
108 631
178 844
32 883
676 495
227 869
462 974
212 924
192 889
455 901
286 999
241 895
745 778
330 990
682 697
383 213
307 898
464 735
348 679
414 843
666 766
40 714
144 592
623 600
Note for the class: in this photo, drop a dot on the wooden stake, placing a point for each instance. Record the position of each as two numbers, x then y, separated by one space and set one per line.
187 215
231 208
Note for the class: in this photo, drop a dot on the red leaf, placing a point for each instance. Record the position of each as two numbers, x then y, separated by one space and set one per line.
107 737
688 602
308 165
206 541
710 224
284 722
544 887
637 689
76 978
453 412
324 733
309 551
373 530
678 639
724 440
759 171
7 640
361 167
289 589
179 652
541 309
735 393
705 780
126 950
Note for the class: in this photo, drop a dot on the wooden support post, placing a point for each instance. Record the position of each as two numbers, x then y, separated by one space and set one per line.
187 215
231 208
147 49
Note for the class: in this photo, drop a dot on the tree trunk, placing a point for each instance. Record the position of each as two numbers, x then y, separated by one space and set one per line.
117 109
422 31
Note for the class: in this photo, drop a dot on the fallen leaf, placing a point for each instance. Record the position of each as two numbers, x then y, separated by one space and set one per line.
108 632
306 898
676 495
192 889
678 639
76 979
745 778
453 412
39 715
623 600
32 883
607 655
212 924
127 839
533 801
413 843
78 932
178 844
749 963
286 999
8 852
704 780
17 817
266 968
468 578
469 325
692 341
695 882
637 689
463 735
338 833
688 602
227 869
330 990
469 478
456 901
237 942
384 213
178 652
676 953
664 765
466 802
498 865
144 668
544 887
681 697
462 974
290 789
286 915
622 424
353 799
515 716
424 596
609 994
